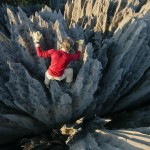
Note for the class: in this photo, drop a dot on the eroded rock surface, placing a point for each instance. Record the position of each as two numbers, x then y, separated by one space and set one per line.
112 77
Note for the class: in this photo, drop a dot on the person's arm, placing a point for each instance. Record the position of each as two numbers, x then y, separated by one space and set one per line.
80 47
79 53
75 56
43 54
37 37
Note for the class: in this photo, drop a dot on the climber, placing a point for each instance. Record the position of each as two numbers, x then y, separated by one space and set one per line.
59 59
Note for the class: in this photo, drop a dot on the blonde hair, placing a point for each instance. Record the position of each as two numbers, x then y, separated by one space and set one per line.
67 43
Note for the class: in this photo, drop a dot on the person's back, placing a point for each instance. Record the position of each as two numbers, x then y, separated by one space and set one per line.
60 61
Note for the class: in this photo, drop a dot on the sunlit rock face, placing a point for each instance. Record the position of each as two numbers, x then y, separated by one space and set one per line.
112 77
95 136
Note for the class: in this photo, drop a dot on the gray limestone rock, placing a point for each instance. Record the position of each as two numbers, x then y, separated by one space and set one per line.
95 136
86 83
62 103
28 93
112 76
130 119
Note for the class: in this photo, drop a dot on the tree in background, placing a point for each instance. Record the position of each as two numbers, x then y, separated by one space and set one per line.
56 5
24 2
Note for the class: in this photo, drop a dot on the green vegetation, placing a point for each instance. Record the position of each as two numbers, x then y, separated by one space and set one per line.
25 2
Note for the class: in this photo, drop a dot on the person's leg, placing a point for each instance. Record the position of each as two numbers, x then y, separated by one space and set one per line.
47 79
69 75
60 78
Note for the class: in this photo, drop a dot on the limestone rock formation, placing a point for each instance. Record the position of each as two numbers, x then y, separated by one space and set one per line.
112 77
95 136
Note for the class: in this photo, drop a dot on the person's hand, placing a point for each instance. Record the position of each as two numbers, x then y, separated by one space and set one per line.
80 45
80 42
37 37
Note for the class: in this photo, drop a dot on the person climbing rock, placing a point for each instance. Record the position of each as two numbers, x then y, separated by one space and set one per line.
59 59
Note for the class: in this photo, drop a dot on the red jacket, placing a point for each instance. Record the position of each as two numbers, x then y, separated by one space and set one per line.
59 60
